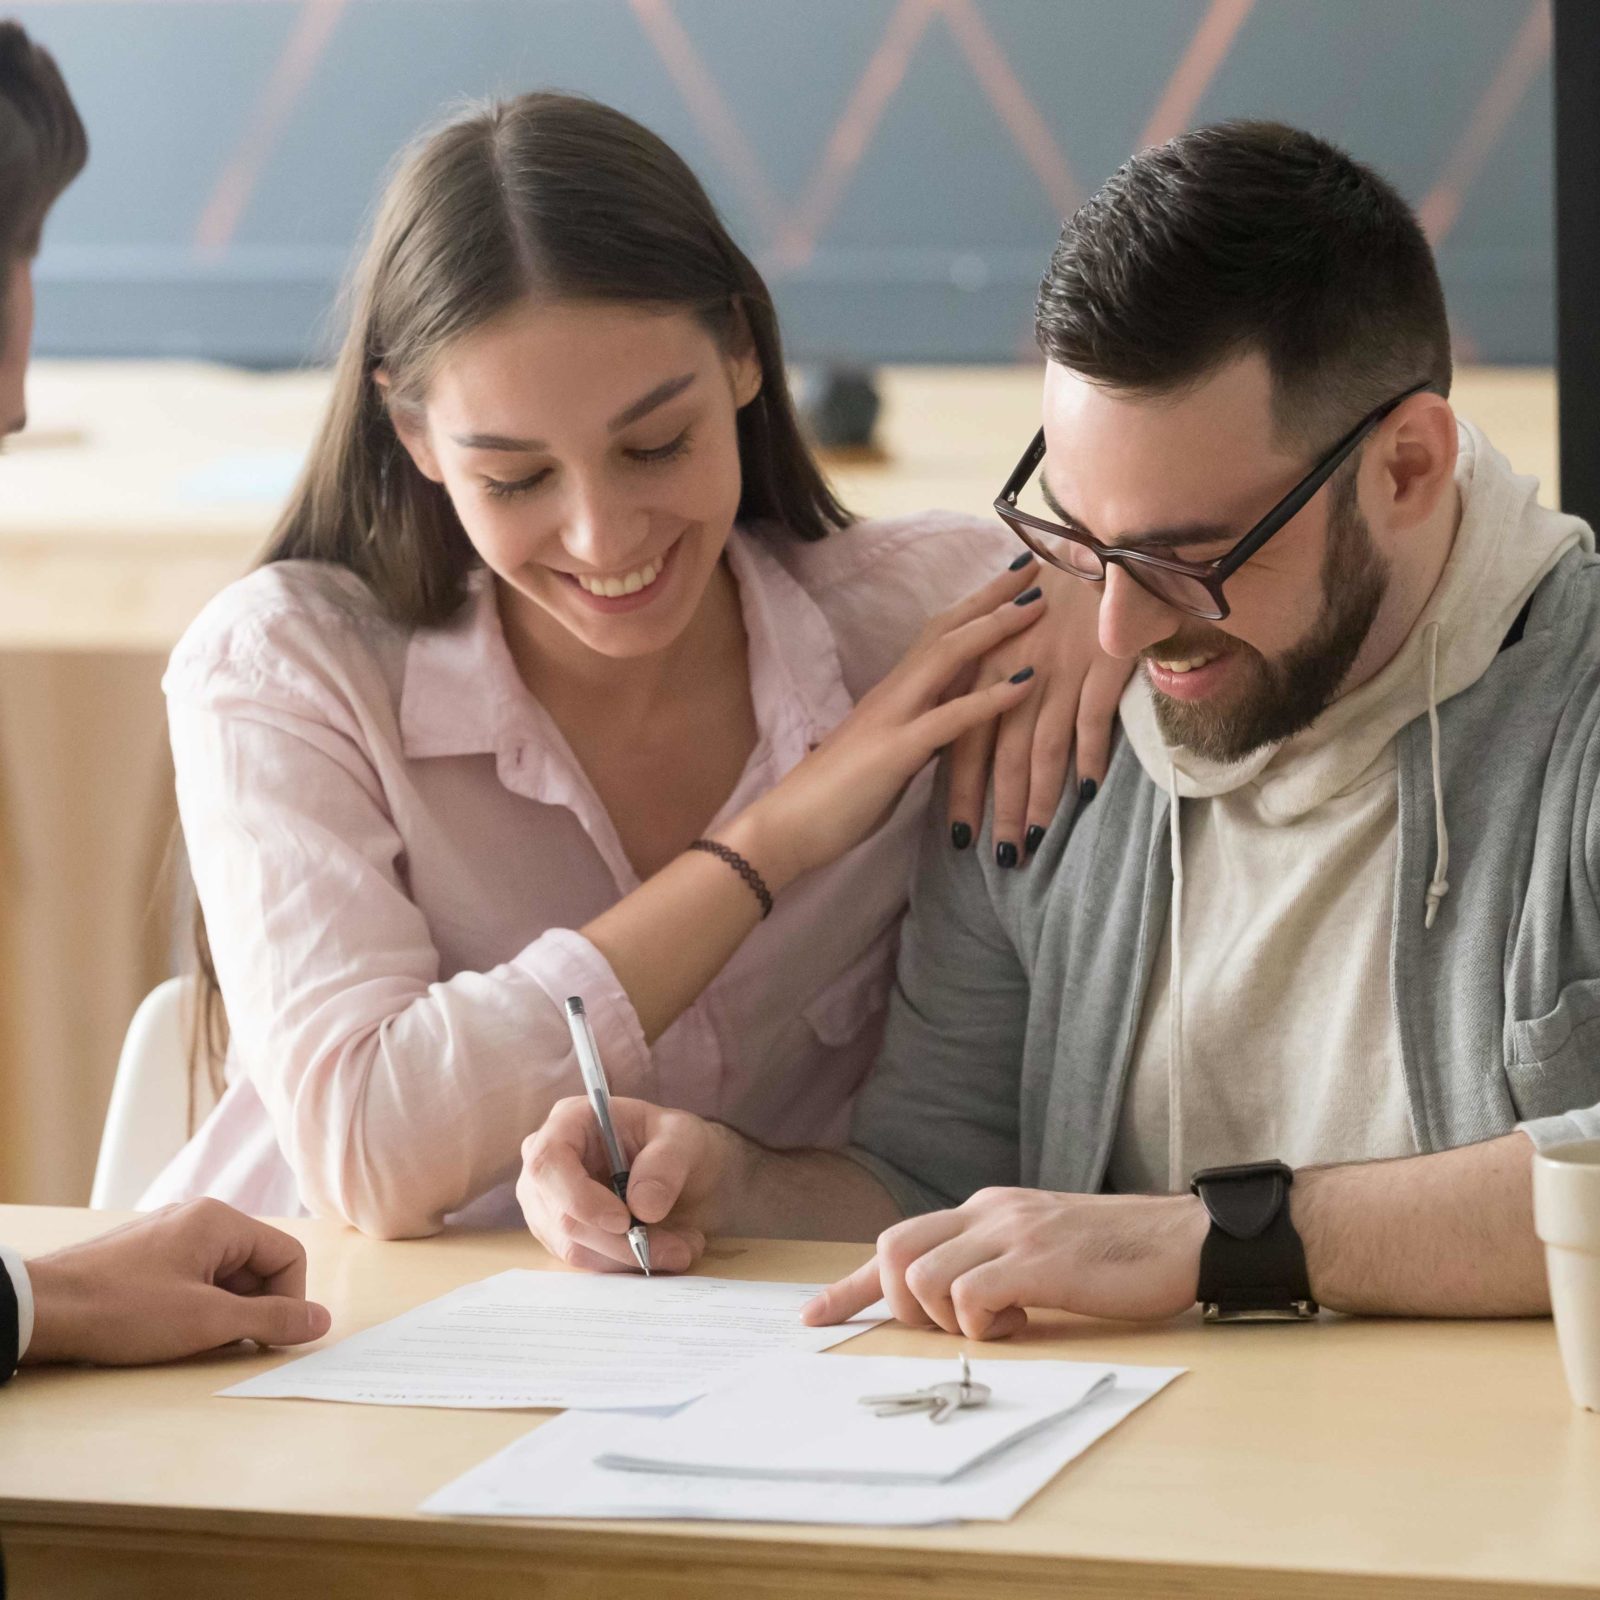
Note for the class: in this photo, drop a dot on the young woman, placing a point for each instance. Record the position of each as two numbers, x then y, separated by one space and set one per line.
564 670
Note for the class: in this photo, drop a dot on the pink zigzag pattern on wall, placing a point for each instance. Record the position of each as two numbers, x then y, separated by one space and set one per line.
795 229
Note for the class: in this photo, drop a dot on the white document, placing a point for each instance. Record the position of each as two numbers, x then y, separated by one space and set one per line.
551 1472
803 1417
556 1339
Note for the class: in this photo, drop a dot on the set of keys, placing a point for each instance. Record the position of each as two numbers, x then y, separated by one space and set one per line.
938 1402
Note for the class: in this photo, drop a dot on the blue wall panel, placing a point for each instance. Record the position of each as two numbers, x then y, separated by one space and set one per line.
937 234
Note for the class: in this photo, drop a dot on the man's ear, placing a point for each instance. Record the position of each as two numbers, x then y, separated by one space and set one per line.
1419 459
410 430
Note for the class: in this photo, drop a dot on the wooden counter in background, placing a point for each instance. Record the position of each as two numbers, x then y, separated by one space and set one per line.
141 489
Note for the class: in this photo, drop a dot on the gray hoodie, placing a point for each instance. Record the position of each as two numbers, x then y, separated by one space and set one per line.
1020 993
1268 1029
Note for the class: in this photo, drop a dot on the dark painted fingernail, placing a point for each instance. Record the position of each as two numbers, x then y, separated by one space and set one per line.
1023 676
1087 790
960 835
1021 561
1028 596
1032 840
1005 855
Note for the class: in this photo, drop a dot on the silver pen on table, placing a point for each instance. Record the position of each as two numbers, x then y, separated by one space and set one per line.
594 1083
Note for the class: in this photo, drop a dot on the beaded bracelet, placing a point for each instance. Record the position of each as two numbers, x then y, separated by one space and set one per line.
742 867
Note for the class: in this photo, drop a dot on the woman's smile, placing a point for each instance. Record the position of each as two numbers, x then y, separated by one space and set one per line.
614 593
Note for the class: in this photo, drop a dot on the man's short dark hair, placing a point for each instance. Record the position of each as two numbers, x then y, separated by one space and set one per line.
1249 236
43 146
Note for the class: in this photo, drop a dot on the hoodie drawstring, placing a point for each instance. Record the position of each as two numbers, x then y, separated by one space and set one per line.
1438 886
1176 1180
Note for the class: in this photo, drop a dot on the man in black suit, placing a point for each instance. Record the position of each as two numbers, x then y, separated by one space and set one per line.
179 1281
195 1276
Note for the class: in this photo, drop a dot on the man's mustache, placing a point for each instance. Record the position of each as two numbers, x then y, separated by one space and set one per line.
1178 646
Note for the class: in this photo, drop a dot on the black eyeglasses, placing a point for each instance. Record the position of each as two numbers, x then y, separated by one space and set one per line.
1191 586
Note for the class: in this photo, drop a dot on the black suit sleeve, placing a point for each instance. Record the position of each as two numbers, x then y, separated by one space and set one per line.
10 1330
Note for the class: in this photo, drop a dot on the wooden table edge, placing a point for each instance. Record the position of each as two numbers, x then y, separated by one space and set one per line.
755 1551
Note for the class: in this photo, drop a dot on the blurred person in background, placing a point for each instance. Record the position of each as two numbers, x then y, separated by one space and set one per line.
566 674
193 1277
43 147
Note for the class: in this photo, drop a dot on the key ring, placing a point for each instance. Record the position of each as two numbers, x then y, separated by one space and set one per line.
940 1401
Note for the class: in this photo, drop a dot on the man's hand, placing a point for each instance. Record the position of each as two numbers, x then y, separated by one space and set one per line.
179 1281
972 1271
680 1167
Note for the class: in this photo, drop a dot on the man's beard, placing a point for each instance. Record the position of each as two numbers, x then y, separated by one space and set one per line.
1280 698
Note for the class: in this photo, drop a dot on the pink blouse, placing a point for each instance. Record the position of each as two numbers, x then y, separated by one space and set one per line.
394 845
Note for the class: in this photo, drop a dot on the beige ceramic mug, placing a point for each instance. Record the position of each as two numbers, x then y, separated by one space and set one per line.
1566 1214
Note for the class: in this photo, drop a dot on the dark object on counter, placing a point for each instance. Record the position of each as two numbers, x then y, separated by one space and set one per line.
839 407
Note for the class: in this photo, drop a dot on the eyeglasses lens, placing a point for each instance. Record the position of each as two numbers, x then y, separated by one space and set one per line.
1055 548
1177 589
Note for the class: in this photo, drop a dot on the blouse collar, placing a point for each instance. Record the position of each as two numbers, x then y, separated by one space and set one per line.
463 696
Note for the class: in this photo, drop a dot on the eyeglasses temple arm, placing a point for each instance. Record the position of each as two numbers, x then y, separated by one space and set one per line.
1302 494
1025 469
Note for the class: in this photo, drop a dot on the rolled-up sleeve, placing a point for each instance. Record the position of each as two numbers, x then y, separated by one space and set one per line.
1559 1075
396 1096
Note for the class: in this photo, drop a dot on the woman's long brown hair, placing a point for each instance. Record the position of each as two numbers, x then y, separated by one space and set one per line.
546 195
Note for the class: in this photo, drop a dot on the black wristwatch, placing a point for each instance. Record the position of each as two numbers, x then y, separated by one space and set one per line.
1252 1265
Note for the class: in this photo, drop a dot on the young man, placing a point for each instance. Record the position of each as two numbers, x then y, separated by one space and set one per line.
191 1277
1337 904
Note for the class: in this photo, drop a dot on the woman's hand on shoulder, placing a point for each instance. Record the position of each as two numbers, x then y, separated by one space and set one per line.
1030 748
935 695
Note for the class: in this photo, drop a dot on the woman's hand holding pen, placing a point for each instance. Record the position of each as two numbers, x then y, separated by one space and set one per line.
679 1165
842 791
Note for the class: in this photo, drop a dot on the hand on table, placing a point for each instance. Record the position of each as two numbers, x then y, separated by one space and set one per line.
185 1279
1030 747
972 1270
678 1166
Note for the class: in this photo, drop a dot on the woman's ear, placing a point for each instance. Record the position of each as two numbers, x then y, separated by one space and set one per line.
744 360
746 378
411 431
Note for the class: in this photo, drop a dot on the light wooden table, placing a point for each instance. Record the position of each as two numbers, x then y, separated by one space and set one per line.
138 492
1346 1458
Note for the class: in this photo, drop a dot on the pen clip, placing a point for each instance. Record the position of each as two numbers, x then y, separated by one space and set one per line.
594 1080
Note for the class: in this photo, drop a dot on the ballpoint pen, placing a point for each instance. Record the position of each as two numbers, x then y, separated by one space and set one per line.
594 1083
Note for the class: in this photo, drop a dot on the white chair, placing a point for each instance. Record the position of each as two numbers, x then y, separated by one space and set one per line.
147 1121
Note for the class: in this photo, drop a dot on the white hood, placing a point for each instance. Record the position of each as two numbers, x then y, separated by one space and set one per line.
1505 545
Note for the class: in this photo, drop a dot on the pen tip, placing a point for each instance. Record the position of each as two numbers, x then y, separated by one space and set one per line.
639 1243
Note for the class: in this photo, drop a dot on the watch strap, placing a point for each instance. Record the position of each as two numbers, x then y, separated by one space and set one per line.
1252 1264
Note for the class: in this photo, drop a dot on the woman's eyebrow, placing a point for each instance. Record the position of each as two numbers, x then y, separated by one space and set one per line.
642 407
496 441
658 396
